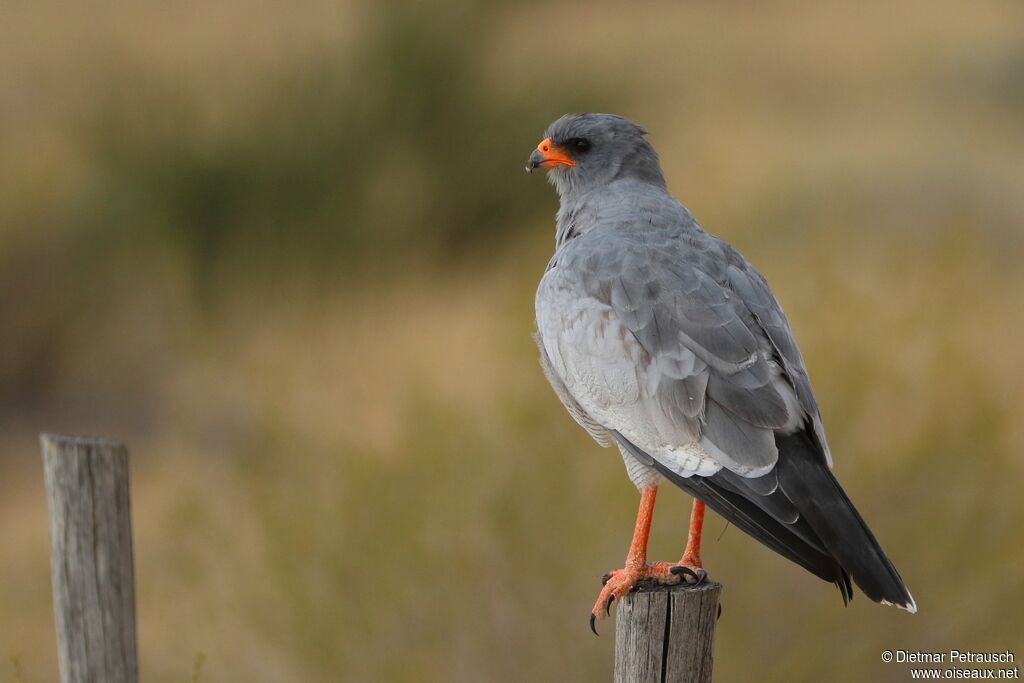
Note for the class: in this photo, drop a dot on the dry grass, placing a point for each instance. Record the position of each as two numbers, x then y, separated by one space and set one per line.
365 477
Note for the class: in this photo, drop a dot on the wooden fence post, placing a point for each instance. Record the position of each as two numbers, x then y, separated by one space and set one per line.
666 634
91 558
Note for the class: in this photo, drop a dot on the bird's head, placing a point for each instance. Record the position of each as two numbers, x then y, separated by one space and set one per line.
582 152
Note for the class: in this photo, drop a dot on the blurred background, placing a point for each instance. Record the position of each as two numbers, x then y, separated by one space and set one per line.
288 253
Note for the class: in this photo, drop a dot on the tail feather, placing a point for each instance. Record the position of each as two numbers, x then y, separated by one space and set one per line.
808 482
828 537
772 533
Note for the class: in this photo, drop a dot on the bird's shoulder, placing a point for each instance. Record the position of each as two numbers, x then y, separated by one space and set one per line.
674 285
665 250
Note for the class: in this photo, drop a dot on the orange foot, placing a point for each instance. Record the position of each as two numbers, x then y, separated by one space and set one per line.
621 582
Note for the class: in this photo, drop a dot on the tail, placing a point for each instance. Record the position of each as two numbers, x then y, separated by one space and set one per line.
807 481
807 518
786 534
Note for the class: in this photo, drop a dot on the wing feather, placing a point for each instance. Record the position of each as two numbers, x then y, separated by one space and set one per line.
738 445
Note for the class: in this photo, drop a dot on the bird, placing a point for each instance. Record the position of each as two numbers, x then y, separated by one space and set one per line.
663 340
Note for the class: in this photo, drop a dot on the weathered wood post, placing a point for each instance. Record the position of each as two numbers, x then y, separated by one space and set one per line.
91 558
666 634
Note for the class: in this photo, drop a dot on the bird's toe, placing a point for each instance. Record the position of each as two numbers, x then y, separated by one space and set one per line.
691 575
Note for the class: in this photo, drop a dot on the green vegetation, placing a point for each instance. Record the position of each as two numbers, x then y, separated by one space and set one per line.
289 255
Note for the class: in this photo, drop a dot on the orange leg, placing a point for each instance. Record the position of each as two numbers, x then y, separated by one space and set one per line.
620 582
691 556
637 555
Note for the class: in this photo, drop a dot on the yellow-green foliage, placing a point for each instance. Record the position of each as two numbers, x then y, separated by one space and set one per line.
289 253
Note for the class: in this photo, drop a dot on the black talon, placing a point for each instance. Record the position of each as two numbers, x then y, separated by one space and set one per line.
719 612
593 624
683 570
606 578
608 605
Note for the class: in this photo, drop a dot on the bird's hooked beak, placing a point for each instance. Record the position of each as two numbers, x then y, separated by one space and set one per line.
548 155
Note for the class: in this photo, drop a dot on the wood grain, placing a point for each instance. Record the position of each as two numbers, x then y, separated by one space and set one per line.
665 634
91 558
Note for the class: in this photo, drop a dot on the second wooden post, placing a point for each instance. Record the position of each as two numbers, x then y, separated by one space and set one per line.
91 559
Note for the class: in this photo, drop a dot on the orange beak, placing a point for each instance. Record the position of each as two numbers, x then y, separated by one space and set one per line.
547 155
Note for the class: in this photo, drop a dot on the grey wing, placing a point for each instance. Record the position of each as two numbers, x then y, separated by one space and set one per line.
651 345
753 290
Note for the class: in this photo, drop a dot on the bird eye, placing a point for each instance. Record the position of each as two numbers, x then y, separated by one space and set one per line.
580 144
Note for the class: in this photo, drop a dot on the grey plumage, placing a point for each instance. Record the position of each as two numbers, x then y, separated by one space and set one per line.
667 339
